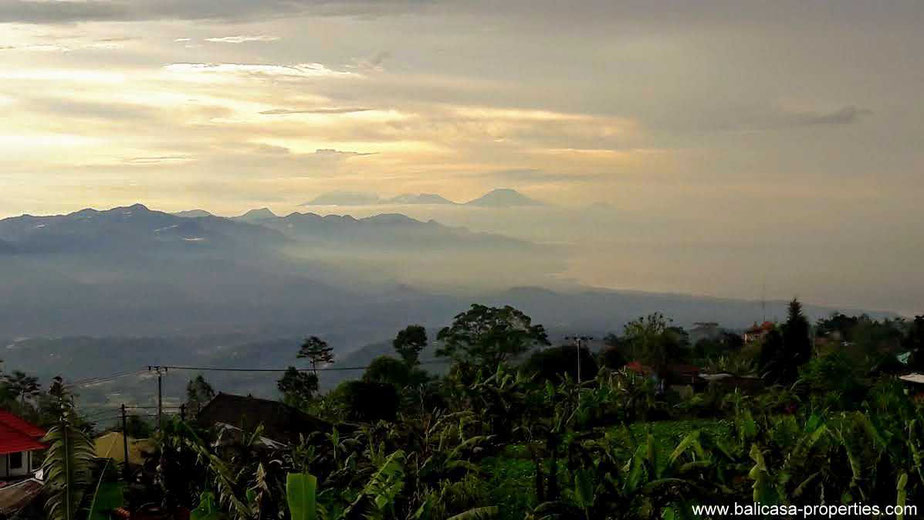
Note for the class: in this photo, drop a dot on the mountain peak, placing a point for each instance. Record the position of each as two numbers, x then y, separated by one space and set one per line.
193 213
503 198
419 198
134 208
344 198
257 214
391 218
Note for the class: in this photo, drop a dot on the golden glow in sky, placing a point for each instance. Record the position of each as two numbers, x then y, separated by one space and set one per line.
720 125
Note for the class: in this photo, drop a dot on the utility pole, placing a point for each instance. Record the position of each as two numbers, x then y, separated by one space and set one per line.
579 341
125 440
160 370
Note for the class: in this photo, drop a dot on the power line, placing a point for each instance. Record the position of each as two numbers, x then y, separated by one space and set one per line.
102 379
238 369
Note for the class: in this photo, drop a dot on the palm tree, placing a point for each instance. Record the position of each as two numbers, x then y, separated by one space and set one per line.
22 385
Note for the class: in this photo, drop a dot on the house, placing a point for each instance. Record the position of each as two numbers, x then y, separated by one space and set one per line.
758 332
744 383
281 423
111 446
18 440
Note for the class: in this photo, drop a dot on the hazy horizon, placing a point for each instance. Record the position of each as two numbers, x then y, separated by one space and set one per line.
732 149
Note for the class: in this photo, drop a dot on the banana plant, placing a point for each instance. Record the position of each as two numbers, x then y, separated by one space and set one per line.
67 470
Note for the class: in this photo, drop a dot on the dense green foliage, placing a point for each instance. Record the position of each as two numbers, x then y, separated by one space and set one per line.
802 417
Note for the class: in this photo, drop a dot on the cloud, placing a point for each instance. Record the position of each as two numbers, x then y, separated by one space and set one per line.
243 39
70 11
301 70
111 111
374 63
163 159
331 152
535 175
345 198
325 110
843 116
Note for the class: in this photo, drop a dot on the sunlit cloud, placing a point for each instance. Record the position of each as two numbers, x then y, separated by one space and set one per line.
666 114
303 70
322 110
242 39
164 159
63 75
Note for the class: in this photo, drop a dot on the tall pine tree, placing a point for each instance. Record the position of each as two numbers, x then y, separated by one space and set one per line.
784 352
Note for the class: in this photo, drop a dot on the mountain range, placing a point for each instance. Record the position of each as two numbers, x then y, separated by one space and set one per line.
132 270
143 286
497 198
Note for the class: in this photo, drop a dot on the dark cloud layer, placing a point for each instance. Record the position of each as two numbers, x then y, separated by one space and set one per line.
588 11
844 116
28 11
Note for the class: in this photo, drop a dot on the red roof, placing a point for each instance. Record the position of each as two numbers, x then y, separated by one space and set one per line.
21 424
18 435
638 368
766 326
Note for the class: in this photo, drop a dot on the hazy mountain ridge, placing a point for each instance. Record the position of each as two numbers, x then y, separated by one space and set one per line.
136 226
503 198
496 198
132 270
131 228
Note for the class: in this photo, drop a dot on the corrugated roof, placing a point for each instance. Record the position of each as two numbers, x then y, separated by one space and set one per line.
280 422
20 424
17 434
17 496
110 446
12 441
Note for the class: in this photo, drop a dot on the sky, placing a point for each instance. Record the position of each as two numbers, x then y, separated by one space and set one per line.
714 147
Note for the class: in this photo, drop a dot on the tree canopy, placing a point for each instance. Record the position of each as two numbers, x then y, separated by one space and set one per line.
483 337
409 343
317 351
297 388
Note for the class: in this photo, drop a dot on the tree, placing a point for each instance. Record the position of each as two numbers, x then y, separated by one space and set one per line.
552 364
297 388
409 342
367 401
137 427
654 342
797 342
914 342
22 386
384 369
772 357
783 352
837 325
612 358
317 351
198 393
483 337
